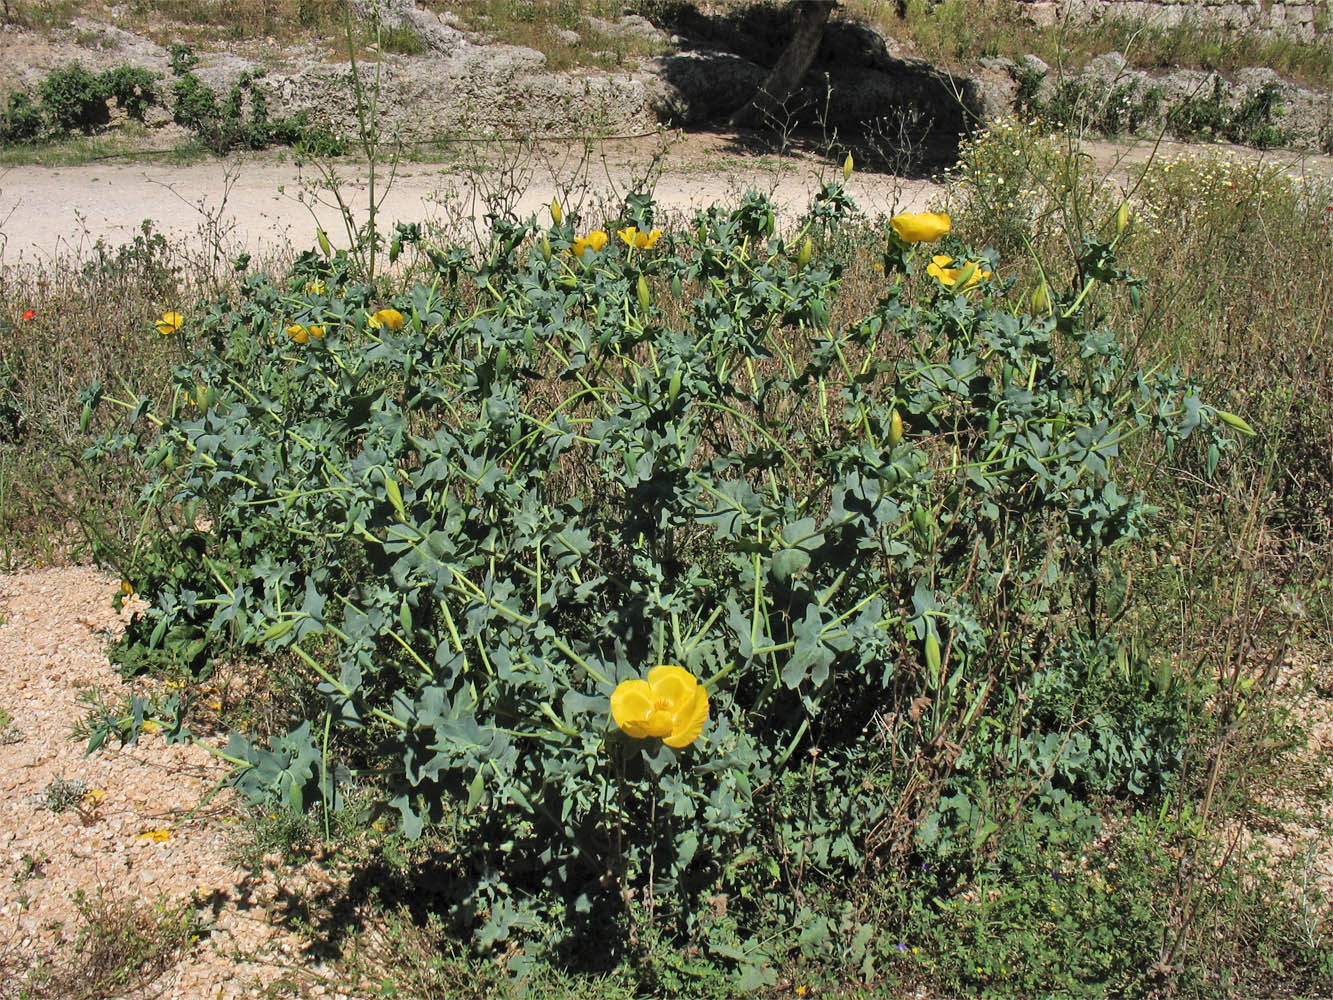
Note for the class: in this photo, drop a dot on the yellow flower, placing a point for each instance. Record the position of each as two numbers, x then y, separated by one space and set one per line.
127 588
671 705
169 323
939 269
298 333
391 318
155 836
595 239
316 331
921 227
316 287
640 241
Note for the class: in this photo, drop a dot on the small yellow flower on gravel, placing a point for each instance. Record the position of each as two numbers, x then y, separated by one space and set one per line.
155 836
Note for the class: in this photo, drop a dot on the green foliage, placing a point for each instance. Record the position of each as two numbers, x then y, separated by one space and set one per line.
22 121
1213 116
241 119
562 471
61 794
133 88
74 99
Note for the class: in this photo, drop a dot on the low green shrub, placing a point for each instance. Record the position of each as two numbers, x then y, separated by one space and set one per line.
241 118
467 512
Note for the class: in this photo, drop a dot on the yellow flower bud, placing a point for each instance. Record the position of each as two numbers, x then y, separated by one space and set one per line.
557 216
895 429
847 167
807 251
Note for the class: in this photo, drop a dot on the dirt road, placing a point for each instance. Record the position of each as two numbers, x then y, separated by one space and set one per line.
264 201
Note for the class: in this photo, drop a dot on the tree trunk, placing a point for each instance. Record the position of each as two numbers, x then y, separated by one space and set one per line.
785 77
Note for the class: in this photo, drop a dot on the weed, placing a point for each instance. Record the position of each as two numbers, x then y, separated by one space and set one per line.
9 731
121 948
61 795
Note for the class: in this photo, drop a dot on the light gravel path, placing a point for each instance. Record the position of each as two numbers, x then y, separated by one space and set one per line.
262 202
56 625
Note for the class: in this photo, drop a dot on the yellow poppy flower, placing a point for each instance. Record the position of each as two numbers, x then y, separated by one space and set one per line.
670 705
169 323
639 241
316 331
595 239
391 318
316 287
298 333
155 836
921 227
939 269
127 588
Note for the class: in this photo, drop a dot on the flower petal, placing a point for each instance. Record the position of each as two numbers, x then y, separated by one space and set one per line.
921 227
689 723
672 683
631 704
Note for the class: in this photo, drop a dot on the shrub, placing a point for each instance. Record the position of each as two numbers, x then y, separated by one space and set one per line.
224 124
548 470
74 100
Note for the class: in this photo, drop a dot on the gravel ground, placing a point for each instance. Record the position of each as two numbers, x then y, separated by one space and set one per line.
54 631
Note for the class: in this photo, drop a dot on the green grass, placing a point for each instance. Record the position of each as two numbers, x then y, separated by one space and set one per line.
127 145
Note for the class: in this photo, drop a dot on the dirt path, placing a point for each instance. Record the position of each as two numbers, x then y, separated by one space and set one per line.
263 202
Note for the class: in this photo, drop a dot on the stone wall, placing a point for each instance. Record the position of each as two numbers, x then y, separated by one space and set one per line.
1309 19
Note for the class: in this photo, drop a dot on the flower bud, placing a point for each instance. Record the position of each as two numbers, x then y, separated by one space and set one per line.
645 297
546 248
557 216
807 251
1041 298
1122 218
847 167
895 429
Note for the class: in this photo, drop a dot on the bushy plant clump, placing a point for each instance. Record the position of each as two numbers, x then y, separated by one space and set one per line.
74 99
467 512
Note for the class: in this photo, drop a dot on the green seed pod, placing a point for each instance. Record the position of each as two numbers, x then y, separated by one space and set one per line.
395 495
641 290
673 390
675 286
1041 298
993 424
278 630
933 659
1231 420
86 417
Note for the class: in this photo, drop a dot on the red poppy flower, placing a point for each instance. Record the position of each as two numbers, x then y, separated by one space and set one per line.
31 314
